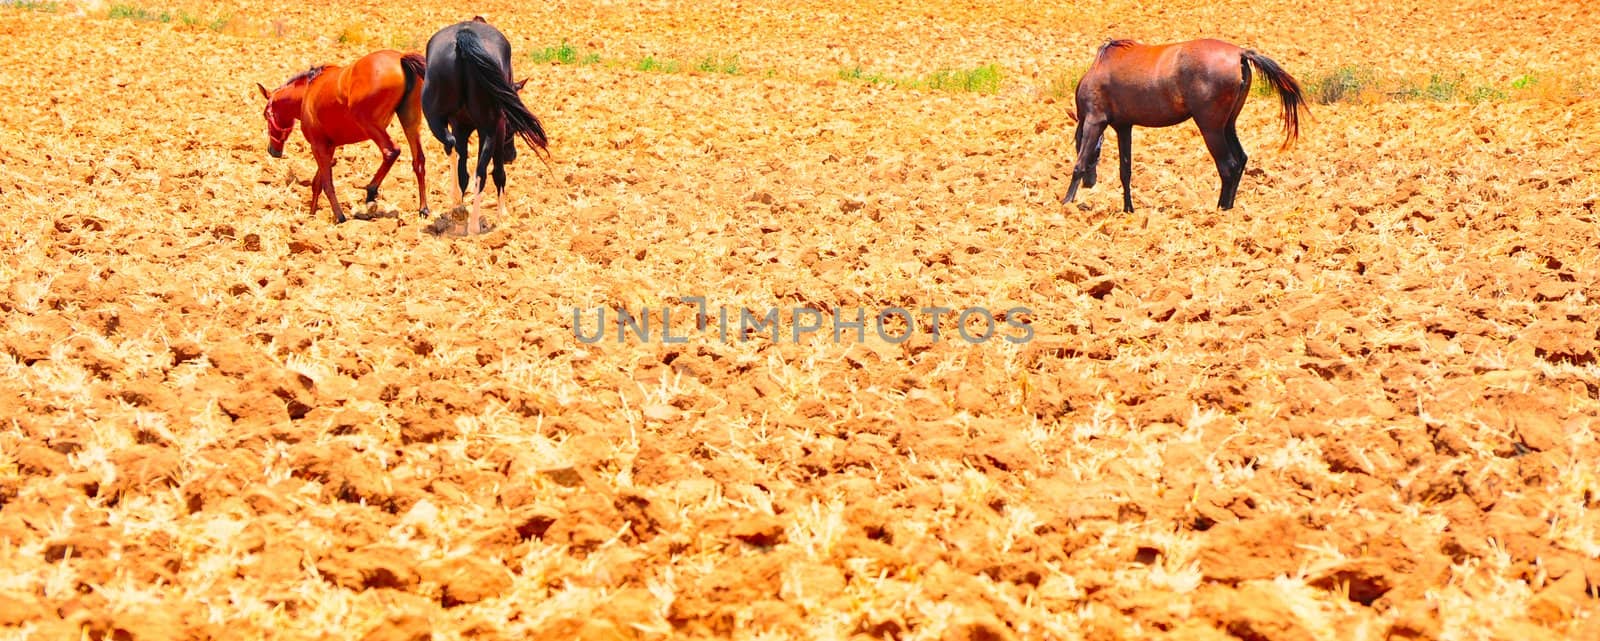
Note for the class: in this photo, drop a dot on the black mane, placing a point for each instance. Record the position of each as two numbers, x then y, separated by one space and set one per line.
307 75
1115 43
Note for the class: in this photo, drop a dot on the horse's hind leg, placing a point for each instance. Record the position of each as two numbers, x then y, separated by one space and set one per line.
1092 134
1229 191
461 184
485 154
410 113
1125 164
1231 135
1216 117
1216 138
499 175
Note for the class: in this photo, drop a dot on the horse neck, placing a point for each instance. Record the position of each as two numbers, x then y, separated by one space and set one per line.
292 97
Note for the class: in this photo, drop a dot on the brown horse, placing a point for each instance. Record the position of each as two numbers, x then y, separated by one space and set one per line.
1133 84
338 106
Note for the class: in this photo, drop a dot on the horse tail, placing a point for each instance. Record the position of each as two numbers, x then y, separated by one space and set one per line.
1294 100
414 66
486 70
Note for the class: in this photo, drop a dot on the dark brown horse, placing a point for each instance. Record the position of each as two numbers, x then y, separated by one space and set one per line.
1131 84
469 89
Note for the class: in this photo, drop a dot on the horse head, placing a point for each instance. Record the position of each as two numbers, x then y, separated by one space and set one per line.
280 121
283 108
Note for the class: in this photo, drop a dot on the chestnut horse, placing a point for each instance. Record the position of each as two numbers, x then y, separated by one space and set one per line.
1131 84
338 106
469 89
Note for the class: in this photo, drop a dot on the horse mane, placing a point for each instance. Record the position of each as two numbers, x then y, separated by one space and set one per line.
1116 43
307 75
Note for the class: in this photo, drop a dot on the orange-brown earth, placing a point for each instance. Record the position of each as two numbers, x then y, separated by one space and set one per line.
1361 405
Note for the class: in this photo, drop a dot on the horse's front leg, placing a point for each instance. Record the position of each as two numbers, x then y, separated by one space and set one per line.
480 180
1083 171
390 153
499 175
1125 164
325 162
461 183
316 188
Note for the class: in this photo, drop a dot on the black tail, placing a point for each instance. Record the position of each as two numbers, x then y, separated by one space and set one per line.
1288 91
486 70
415 67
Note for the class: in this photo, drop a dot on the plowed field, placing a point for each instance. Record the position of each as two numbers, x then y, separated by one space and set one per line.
1360 405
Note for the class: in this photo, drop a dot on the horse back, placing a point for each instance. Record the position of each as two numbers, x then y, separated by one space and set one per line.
1132 83
377 79
1217 60
342 102
443 84
1157 85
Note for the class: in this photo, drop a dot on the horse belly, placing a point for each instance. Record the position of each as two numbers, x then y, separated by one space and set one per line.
1151 106
341 127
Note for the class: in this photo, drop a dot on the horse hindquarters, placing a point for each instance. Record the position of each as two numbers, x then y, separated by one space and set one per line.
441 95
1216 121
410 113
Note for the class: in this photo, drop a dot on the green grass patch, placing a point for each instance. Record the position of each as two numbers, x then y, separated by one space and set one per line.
217 23
1343 84
718 64
564 54
1063 85
353 35
1486 93
567 54
655 65
982 79
1442 89
1356 83
857 74
33 5
139 14
1438 88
